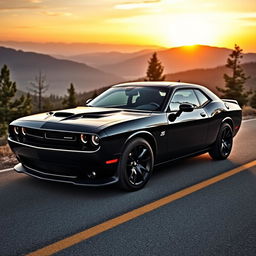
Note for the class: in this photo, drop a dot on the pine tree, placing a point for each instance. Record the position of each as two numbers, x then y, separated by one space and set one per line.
70 101
155 69
234 84
11 108
253 100
22 106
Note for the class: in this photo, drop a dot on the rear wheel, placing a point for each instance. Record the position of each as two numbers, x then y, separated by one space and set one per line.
223 145
136 165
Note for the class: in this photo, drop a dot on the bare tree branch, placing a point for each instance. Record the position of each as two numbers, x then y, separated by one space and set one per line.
39 87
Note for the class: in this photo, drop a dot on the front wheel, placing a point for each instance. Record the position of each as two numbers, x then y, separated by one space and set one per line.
223 144
136 165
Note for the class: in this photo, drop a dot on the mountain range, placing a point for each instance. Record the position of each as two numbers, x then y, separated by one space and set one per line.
59 73
175 60
200 64
213 77
70 49
99 59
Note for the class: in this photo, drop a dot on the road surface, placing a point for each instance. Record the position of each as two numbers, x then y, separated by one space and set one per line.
219 219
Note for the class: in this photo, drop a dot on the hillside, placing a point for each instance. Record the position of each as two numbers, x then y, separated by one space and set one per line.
213 77
176 60
25 66
98 59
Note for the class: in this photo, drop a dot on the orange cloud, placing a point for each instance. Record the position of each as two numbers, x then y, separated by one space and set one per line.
19 5
138 4
50 13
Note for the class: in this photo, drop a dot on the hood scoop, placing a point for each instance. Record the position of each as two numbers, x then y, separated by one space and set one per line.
69 115
63 114
95 115
99 114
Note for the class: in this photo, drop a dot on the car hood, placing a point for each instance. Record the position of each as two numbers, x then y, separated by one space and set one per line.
89 119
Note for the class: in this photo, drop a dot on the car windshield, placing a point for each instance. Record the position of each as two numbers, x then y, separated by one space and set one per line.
138 98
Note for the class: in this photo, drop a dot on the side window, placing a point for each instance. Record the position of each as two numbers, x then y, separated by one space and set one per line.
183 96
201 97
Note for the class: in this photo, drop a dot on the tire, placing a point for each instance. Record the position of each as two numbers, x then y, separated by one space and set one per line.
136 165
222 147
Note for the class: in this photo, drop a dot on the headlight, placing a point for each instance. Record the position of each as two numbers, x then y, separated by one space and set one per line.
16 130
83 138
23 131
95 140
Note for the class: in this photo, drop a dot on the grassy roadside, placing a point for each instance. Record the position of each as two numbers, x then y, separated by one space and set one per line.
249 112
7 158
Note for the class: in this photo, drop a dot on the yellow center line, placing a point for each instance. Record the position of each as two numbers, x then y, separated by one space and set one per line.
93 231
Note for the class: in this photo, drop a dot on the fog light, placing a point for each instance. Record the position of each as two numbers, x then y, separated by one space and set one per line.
16 130
95 140
91 175
83 138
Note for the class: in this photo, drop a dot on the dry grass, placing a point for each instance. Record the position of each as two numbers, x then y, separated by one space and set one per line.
249 112
5 151
7 158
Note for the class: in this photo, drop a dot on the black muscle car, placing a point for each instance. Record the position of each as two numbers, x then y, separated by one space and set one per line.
120 136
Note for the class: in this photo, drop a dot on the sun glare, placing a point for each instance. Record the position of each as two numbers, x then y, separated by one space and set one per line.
191 30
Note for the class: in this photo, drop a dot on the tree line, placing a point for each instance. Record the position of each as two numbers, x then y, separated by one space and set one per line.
13 106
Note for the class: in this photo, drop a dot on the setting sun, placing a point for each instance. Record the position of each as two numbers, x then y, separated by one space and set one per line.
191 30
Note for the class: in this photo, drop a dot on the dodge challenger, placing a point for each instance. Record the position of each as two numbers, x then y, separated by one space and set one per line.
122 134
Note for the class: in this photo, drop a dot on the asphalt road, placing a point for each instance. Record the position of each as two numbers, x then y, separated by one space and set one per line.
217 220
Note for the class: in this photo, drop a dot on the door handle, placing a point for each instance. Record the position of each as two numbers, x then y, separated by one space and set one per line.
202 114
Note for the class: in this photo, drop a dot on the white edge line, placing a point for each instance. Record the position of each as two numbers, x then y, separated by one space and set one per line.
10 169
6 170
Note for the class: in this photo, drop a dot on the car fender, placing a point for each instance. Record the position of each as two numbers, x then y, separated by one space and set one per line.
144 134
228 120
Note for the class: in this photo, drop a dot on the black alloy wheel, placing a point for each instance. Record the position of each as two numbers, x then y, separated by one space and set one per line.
223 144
226 141
136 165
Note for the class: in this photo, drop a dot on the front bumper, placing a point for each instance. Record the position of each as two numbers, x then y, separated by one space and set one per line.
74 167
65 179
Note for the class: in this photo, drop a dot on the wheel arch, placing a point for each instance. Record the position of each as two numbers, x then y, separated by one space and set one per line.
149 137
229 121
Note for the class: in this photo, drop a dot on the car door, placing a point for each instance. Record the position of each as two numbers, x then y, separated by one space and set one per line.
187 133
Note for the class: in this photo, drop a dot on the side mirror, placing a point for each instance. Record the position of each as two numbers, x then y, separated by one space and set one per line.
186 107
88 101
172 117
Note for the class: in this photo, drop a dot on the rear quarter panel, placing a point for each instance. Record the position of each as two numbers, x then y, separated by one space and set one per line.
219 112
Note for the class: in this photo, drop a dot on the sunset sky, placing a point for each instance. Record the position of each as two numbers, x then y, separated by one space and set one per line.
166 23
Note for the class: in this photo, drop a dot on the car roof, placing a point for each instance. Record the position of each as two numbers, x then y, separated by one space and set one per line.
172 85
158 84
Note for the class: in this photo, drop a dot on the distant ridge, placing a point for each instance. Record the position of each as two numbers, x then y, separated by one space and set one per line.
60 73
98 59
213 77
176 60
69 49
